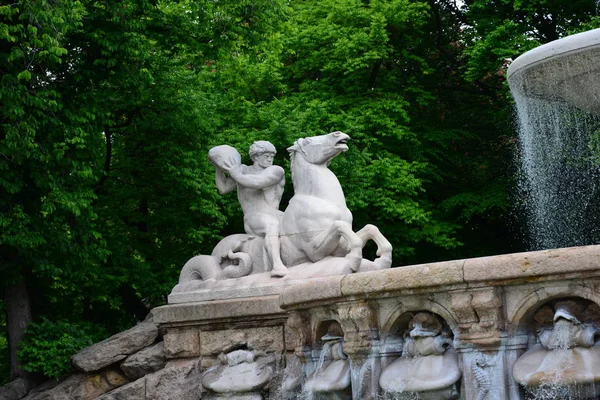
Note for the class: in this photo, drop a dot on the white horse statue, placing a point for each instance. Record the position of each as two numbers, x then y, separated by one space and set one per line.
317 223
316 229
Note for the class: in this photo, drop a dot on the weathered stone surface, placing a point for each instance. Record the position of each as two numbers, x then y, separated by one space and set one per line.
531 266
132 391
313 290
237 396
115 348
179 380
144 362
81 386
267 338
180 343
230 309
414 277
15 389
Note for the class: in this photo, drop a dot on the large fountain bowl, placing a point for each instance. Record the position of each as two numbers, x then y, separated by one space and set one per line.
566 70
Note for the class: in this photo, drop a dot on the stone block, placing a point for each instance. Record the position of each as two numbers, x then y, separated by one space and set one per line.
417 277
312 290
533 266
233 309
133 391
15 389
179 380
181 343
262 339
145 361
82 386
115 348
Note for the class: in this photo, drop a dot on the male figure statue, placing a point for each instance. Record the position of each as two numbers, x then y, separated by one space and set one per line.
259 187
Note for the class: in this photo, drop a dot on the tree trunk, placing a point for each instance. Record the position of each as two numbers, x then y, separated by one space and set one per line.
18 316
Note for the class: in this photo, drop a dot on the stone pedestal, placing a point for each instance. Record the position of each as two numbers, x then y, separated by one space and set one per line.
211 329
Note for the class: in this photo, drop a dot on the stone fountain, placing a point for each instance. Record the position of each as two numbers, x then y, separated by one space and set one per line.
290 309
329 324
564 70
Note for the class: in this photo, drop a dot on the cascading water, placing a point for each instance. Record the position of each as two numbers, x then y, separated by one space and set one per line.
550 387
325 353
557 94
560 159
358 373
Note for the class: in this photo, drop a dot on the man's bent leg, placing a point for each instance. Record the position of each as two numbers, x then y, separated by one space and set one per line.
273 248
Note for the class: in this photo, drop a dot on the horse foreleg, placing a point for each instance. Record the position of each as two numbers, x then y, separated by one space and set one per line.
326 242
384 247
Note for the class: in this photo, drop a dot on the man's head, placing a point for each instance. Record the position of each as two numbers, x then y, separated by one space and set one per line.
262 153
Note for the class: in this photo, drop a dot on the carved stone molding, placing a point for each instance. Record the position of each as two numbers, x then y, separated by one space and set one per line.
479 314
298 332
359 323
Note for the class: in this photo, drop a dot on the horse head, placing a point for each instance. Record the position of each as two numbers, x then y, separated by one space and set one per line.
320 149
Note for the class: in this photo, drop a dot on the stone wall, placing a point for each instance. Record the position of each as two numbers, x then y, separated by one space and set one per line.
488 309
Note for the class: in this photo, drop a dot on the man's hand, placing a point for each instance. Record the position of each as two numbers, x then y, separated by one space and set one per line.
229 166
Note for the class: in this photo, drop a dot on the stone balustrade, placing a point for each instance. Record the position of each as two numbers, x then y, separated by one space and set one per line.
486 304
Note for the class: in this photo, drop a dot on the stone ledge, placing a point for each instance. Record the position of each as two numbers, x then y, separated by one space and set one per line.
208 311
313 290
226 292
545 265
414 277
533 265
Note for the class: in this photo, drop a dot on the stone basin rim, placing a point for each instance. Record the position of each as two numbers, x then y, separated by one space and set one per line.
513 268
557 49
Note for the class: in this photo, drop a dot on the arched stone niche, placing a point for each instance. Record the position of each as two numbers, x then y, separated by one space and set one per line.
563 350
328 372
400 329
427 366
396 318
323 328
522 316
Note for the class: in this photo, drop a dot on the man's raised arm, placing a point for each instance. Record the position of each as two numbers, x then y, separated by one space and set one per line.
224 183
268 177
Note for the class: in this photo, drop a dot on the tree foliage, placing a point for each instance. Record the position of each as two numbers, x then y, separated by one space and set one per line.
109 110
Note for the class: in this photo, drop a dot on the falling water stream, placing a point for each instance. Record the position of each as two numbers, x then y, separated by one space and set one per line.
325 353
553 387
560 171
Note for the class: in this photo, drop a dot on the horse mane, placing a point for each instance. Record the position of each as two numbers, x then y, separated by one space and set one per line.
298 146
292 150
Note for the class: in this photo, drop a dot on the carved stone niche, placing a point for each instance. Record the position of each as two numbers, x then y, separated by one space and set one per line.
298 333
240 373
428 367
563 356
328 371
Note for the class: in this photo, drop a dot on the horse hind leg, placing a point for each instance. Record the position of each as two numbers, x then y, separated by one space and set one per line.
384 247
325 244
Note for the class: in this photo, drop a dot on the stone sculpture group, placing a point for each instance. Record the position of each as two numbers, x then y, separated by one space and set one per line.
312 237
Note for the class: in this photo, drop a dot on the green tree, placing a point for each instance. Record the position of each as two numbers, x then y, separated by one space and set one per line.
105 189
48 225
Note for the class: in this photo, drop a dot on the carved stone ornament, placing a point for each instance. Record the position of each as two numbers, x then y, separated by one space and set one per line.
566 354
239 371
480 369
428 365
